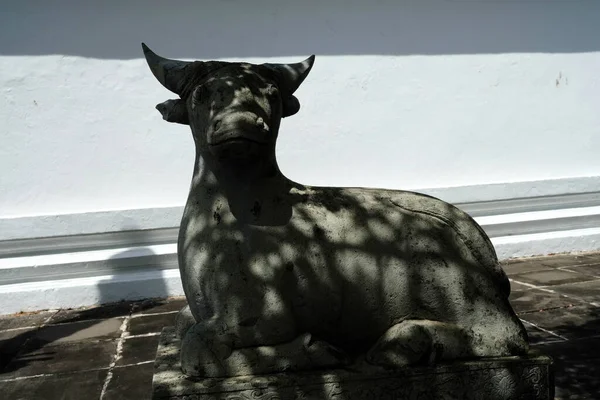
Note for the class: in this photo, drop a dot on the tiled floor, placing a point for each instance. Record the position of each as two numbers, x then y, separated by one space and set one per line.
108 352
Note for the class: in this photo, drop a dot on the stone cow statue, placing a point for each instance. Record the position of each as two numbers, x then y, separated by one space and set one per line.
281 276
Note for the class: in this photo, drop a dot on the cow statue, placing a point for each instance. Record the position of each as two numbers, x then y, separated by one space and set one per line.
281 276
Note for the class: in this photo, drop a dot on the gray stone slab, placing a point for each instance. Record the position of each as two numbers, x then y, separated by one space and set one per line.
552 277
25 320
512 378
150 323
586 291
138 349
63 358
592 269
155 306
524 266
533 300
77 331
572 322
130 383
73 386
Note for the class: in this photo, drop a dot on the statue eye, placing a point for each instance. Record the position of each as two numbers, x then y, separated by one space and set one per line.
199 94
272 90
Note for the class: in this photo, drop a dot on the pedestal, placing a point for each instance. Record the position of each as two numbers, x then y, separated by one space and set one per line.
507 378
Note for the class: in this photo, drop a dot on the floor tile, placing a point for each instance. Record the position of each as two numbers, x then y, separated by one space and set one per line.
587 291
572 322
524 266
134 382
538 300
68 357
576 367
121 309
11 342
154 306
151 323
592 269
578 349
24 320
565 260
536 335
518 287
75 386
549 278
75 331
136 350
593 258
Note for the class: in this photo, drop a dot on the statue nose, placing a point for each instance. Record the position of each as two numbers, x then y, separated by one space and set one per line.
262 124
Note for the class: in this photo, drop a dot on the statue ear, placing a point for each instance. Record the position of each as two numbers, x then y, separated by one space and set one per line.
290 106
174 111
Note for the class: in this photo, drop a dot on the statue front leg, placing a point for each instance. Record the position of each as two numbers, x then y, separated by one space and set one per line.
184 321
211 351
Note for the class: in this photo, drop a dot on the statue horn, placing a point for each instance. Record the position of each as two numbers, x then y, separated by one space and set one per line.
292 75
170 73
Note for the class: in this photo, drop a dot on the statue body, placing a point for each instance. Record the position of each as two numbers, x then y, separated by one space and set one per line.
280 276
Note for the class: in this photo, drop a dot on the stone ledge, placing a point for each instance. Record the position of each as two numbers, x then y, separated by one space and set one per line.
510 378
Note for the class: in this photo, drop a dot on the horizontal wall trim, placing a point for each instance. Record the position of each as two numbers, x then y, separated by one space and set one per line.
85 269
488 199
68 257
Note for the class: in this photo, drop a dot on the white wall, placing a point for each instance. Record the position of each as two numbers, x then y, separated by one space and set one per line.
469 100
404 94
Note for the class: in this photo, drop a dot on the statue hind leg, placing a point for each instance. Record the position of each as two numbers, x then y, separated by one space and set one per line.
413 342
209 349
426 342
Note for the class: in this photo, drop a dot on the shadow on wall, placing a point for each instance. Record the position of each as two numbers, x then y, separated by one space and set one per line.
269 28
72 325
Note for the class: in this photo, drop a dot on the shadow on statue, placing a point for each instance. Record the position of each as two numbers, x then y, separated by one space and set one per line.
281 277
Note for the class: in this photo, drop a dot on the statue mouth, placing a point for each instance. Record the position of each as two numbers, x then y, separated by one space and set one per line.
235 138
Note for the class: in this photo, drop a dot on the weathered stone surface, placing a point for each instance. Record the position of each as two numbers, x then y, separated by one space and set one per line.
280 276
509 378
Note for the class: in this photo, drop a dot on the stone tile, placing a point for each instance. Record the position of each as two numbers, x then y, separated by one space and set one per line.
592 269
76 331
11 342
579 349
536 335
538 300
517 287
74 386
136 350
576 367
550 278
587 291
592 258
68 357
134 382
566 260
24 320
153 306
524 266
121 309
151 323
572 322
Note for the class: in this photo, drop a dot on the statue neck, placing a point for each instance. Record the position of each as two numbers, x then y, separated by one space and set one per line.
254 193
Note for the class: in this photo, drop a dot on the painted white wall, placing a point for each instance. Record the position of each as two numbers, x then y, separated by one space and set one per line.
404 94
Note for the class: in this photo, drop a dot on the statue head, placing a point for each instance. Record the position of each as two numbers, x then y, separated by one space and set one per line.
234 109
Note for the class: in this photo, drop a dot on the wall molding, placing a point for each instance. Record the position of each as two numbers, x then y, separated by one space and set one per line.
86 259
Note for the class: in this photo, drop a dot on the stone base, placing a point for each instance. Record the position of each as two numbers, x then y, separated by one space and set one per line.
510 378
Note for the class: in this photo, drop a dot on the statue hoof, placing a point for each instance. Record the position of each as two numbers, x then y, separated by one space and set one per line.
184 321
203 355
323 354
